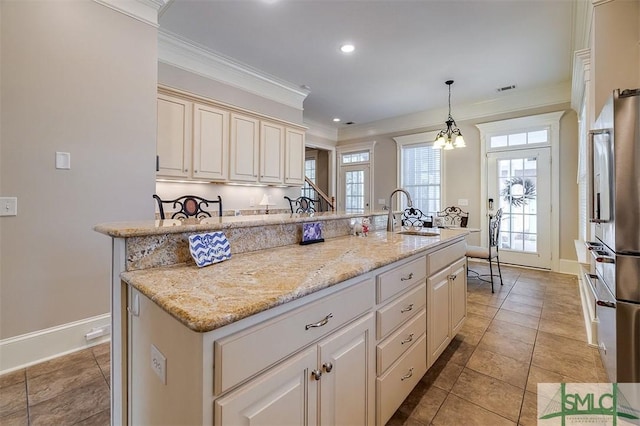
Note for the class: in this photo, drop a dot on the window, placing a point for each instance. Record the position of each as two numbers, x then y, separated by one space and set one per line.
310 172
519 139
355 157
421 176
421 171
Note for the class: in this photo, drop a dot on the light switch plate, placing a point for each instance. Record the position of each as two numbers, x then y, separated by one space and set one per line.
8 206
159 364
463 202
381 201
63 160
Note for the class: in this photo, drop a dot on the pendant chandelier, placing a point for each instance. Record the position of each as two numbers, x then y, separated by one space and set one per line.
451 137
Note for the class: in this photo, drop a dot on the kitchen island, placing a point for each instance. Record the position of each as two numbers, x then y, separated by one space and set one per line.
248 339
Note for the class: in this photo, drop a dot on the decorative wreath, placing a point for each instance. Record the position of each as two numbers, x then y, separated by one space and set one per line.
519 199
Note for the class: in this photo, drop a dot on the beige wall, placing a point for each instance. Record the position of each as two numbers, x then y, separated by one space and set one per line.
189 82
462 173
81 78
615 48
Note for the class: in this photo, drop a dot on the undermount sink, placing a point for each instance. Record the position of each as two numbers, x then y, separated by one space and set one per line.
419 232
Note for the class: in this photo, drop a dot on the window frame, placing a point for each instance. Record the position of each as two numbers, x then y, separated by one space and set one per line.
414 140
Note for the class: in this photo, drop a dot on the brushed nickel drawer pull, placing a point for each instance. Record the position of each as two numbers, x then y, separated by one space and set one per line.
328 367
408 278
407 309
319 323
406 376
316 374
408 339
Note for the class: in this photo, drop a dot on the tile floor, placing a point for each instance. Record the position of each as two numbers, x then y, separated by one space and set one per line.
531 330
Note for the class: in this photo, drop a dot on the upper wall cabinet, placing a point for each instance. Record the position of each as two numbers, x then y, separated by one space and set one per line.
202 140
193 140
294 157
174 137
271 152
210 143
245 148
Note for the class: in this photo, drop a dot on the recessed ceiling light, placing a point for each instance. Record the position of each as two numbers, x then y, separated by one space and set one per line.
347 48
336 120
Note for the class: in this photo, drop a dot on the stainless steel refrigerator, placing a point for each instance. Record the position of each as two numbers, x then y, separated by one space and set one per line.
615 190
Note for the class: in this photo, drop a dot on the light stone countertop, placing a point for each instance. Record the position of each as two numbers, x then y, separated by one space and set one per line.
175 226
208 298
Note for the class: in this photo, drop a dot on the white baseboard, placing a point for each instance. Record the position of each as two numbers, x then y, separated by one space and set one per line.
566 266
42 345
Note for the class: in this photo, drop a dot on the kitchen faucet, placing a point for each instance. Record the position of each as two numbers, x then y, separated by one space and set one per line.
391 218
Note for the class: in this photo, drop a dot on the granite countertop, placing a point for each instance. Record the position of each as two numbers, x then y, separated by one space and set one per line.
208 298
175 226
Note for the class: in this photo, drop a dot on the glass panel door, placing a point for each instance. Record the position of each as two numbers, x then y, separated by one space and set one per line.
519 181
356 188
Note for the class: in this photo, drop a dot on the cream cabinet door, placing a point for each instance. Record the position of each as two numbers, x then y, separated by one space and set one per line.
271 152
173 146
347 381
285 395
244 148
438 310
210 143
458 289
294 157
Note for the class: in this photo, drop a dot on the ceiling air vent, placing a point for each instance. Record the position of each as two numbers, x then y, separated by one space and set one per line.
505 88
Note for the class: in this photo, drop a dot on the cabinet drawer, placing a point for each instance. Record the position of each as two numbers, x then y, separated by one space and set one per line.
389 317
243 354
394 386
400 278
399 342
446 256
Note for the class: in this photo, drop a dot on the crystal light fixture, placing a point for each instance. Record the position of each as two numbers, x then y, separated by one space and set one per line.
451 137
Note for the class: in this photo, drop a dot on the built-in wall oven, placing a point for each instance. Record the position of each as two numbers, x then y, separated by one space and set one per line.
615 191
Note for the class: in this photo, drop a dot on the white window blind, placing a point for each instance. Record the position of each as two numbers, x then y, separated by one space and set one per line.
421 176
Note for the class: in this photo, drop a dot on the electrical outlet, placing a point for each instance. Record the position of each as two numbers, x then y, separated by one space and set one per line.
8 206
159 364
463 202
381 201
252 202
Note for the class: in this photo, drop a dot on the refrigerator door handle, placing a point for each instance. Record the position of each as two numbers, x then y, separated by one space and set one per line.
593 197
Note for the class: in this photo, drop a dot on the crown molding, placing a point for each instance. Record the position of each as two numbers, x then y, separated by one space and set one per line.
517 101
189 56
143 10
581 76
321 130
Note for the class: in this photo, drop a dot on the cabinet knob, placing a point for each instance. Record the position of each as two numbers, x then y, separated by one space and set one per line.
195 171
316 374
452 277
328 367
186 170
